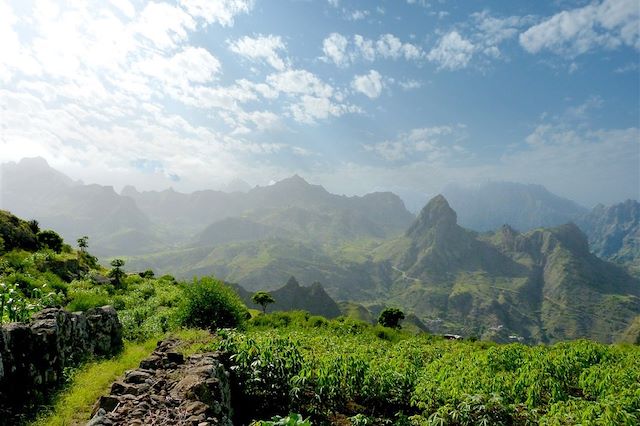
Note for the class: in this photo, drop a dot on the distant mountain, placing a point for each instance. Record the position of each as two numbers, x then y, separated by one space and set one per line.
524 207
543 285
133 222
294 297
32 189
614 232
290 208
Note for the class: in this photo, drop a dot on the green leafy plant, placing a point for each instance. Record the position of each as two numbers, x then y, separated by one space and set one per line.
391 317
209 303
263 299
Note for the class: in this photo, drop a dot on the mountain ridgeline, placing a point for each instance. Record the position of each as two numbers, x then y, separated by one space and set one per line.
524 207
542 285
519 280
143 222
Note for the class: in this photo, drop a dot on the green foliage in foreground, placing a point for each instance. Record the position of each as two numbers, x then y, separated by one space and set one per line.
210 304
290 420
74 403
343 368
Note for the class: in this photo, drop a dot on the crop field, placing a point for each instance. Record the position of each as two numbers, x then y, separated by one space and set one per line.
348 372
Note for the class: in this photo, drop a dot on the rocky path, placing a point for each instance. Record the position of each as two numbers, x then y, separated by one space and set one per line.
168 389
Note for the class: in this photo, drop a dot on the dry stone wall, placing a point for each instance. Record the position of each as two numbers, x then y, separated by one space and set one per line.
169 389
33 355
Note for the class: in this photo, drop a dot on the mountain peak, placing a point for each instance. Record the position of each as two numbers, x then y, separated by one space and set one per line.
436 214
34 162
293 180
292 283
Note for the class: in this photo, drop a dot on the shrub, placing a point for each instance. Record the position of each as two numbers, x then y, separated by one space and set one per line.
85 301
208 303
50 239
391 317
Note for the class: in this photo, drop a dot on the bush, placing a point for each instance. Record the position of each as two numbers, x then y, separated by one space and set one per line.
391 317
208 303
85 301
50 239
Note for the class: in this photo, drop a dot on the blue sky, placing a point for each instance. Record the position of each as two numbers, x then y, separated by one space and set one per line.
408 96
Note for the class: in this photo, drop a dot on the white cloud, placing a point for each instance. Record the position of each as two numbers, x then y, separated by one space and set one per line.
369 84
410 84
365 47
358 15
311 98
190 65
430 144
338 49
263 48
452 52
312 108
478 41
390 46
608 24
125 7
335 49
299 82
164 25
220 11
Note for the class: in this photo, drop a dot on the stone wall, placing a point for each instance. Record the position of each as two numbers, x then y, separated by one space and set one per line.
34 355
169 389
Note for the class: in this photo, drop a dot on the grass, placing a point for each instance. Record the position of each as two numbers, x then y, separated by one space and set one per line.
74 403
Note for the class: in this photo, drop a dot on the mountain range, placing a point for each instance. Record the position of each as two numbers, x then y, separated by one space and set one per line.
534 278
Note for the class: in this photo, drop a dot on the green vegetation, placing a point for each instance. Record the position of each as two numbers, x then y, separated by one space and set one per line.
117 273
338 369
391 318
210 304
73 404
263 299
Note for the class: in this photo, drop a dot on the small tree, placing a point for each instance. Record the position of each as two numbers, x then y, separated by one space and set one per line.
263 299
50 239
117 274
34 226
83 243
391 318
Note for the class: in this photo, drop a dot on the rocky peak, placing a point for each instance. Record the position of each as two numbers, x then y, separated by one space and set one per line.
129 191
572 237
292 283
295 181
437 214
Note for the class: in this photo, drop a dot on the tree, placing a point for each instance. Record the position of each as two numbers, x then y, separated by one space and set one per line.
83 243
117 274
50 239
263 299
391 317
34 226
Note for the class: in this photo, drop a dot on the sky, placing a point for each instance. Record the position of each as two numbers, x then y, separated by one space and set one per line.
359 96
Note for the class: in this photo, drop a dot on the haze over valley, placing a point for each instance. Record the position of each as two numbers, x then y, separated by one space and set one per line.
319 212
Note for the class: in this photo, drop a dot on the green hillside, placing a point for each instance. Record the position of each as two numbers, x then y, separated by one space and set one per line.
540 286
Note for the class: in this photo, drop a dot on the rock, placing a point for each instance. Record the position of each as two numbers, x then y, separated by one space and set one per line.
151 363
196 408
122 388
175 357
34 355
177 391
137 376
